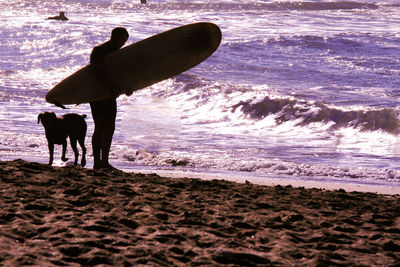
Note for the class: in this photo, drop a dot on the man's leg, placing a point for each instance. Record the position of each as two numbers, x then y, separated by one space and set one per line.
104 113
107 140
97 143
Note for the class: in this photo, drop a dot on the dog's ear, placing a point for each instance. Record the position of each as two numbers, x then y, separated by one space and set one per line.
39 117
53 115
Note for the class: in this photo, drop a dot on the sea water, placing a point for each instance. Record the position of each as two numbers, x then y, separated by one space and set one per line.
302 89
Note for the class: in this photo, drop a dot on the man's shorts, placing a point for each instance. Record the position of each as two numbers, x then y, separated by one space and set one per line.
106 108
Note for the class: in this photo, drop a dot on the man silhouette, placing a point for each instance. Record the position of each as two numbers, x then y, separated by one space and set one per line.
104 112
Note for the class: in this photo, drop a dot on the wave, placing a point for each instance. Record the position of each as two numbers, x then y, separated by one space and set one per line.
222 98
267 6
284 109
335 43
323 5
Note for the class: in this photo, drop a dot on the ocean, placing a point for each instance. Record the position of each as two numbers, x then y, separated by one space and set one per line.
301 89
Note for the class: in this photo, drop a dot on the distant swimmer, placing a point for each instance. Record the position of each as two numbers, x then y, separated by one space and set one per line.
61 16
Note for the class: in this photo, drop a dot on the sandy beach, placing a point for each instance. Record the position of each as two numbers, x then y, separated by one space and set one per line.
71 216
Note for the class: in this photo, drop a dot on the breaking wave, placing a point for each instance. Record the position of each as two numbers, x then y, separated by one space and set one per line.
286 109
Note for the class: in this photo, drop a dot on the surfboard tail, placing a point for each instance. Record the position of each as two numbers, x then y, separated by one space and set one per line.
50 97
54 97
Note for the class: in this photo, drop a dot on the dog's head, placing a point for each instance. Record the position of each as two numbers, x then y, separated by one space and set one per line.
46 118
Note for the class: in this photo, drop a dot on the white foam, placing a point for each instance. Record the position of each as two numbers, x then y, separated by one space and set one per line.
150 122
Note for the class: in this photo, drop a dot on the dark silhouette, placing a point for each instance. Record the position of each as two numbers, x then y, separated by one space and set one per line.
143 1
104 112
59 128
61 16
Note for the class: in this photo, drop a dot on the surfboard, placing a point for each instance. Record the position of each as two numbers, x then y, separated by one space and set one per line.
141 64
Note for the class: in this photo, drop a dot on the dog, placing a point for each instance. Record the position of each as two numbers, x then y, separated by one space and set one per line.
59 128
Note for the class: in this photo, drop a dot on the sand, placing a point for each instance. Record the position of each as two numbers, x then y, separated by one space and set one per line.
71 216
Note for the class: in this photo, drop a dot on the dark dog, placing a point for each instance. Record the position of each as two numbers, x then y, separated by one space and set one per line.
59 128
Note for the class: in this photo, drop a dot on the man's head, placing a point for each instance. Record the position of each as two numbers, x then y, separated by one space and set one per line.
119 36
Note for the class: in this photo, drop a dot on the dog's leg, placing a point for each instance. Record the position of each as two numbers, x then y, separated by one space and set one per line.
82 144
64 151
51 151
72 140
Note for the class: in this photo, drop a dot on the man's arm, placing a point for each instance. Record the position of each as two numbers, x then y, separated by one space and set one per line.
97 59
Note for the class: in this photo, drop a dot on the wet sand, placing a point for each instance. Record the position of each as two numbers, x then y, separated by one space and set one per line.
71 216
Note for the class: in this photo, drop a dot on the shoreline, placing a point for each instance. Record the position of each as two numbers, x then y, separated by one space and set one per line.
283 180
63 216
241 177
